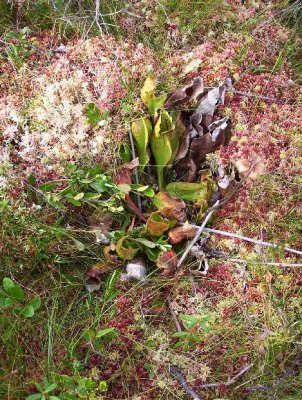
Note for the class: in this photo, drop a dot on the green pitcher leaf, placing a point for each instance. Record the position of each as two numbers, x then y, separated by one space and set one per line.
126 248
162 145
193 192
164 124
157 225
156 103
141 130
148 90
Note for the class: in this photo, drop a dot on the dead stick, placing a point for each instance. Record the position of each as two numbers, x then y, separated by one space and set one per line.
177 324
273 264
247 239
173 371
201 228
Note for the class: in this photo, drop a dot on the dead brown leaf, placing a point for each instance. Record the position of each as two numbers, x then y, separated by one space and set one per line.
170 207
167 261
95 275
211 100
188 93
110 254
251 168
180 233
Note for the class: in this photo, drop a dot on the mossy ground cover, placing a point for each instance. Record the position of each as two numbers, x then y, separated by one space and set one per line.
118 342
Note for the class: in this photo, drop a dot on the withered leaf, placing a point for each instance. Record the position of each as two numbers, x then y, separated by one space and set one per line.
251 168
125 171
201 146
167 261
109 253
209 102
188 93
169 206
178 234
217 128
95 276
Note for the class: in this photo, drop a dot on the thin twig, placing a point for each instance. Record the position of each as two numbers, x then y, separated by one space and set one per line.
139 201
173 371
240 373
178 327
201 228
273 264
258 96
230 381
247 239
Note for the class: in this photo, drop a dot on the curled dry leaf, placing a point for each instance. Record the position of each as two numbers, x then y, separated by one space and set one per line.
169 206
217 128
210 142
182 138
136 270
125 171
95 275
251 168
157 225
167 261
110 254
178 234
188 93
209 102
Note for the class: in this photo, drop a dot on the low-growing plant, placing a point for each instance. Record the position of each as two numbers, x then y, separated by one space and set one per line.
192 335
13 298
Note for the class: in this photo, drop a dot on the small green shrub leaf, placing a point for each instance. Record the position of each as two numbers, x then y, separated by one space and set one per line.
92 113
28 311
34 396
104 332
12 289
35 303
6 302
50 388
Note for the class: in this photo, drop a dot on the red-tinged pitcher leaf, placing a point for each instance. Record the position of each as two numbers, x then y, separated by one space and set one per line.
180 233
126 248
169 206
157 225
167 262
125 171
122 178
186 94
